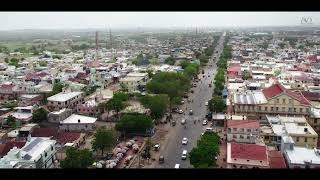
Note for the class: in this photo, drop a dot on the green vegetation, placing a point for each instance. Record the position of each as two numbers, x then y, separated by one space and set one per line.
77 158
90 89
170 60
158 104
83 46
246 75
12 122
39 115
103 140
43 63
116 103
57 88
10 104
170 83
217 104
203 156
281 45
14 62
134 123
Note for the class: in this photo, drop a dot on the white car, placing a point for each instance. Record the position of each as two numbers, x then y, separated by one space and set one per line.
184 141
207 103
180 111
184 155
205 122
177 166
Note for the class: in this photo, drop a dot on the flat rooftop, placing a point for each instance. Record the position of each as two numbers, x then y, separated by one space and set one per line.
62 97
126 79
33 149
299 155
74 119
29 96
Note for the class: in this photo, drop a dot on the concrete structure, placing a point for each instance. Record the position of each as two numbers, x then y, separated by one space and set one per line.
29 99
132 83
296 127
37 153
58 116
78 123
64 100
243 131
299 157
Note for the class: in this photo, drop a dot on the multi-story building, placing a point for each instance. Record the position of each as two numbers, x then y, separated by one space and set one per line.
296 127
78 123
58 116
89 108
64 100
243 131
37 153
272 101
299 157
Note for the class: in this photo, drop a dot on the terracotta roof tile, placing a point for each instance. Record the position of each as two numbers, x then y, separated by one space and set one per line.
276 160
44 132
249 151
67 137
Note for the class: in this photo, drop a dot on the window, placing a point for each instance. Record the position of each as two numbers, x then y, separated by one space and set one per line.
277 100
290 101
248 130
297 139
229 129
59 103
294 109
283 109
271 108
259 108
266 137
260 161
235 159
241 137
241 129
289 109
45 154
301 109
305 139
248 160
315 121
283 101
248 137
234 136
234 129
86 126
266 108
277 108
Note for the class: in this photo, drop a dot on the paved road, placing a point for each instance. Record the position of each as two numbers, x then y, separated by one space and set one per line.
172 151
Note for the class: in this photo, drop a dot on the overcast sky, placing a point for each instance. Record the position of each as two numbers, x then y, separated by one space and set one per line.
79 20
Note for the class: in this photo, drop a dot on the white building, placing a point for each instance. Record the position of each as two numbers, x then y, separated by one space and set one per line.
64 100
57 116
299 157
132 83
37 153
77 122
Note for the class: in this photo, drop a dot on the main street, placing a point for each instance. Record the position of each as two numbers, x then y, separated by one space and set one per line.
172 151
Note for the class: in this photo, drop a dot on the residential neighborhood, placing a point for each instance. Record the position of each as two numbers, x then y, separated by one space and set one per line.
245 98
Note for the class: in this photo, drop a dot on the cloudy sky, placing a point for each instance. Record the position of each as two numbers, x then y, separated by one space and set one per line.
75 20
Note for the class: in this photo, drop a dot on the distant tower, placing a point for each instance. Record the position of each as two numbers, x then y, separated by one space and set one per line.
97 47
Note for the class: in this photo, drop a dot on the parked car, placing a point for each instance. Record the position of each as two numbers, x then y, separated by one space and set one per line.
183 121
191 112
205 122
177 166
180 111
207 103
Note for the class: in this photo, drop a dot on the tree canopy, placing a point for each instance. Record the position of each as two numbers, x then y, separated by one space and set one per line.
170 60
39 115
134 123
217 104
203 156
158 104
103 140
77 158
12 122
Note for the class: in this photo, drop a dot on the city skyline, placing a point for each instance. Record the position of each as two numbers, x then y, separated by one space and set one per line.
88 20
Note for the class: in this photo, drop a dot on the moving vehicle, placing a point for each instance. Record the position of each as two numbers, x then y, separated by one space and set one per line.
209 129
180 111
210 85
191 112
207 103
157 147
194 85
184 141
184 155
205 122
161 159
177 166
183 121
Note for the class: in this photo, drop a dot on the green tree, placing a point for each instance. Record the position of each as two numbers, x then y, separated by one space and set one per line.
116 105
103 140
39 115
154 61
43 63
124 87
134 123
10 104
11 121
197 54
217 104
121 96
158 104
170 60
203 156
57 88
77 158
14 62
246 75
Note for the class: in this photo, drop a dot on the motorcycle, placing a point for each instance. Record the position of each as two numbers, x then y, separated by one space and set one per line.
185 127
194 122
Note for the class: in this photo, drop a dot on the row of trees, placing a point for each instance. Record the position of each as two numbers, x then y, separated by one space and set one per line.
204 155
